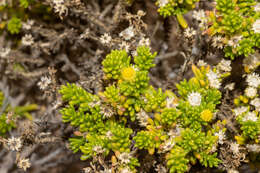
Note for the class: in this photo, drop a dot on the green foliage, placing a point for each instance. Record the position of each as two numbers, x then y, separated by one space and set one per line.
14 25
25 3
172 125
233 21
10 114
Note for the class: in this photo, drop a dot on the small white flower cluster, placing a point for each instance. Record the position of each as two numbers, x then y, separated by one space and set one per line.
194 99
256 26
144 42
234 147
4 52
240 110
234 41
142 117
201 17
256 103
44 82
28 25
60 7
167 146
98 149
24 164
224 65
105 39
128 33
14 144
257 7
124 45
213 79
253 80
201 63
217 41
251 92
27 40
253 148
189 32
250 116
162 3
221 136
125 158
126 170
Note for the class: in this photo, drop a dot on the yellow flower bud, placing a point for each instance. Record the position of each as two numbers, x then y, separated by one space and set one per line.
206 115
128 73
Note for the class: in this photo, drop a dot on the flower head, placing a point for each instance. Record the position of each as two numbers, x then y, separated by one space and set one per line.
240 110
4 52
253 147
256 26
27 40
162 3
217 41
142 116
206 115
256 103
44 83
213 79
125 158
194 99
250 116
128 33
251 92
234 147
105 39
253 80
15 144
224 65
221 136
189 32
24 164
128 73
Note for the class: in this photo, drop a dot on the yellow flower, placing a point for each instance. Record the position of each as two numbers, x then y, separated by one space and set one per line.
128 73
206 115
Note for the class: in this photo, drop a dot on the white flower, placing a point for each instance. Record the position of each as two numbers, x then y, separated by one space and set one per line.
256 26
125 158
175 132
199 15
27 40
251 92
44 83
257 7
234 41
162 3
189 32
124 45
128 33
234 147
253 80
218 42
253 147
58 1
109 134
194 99
213 79
201 63
232 171
160 169
14 144
87 170
61 9
167 146
106 111
224 65
240 110
256 103
144 42
28 25
252 61
4 52
98 149
221 136
126 170
105 39
250 116
142 117
230 86
24 164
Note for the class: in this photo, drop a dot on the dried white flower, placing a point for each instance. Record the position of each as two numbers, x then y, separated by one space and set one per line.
253 80
160 169
107 111
250 92
253 147
189 32
105 39
85 34
234 41
213 79
27 40
14 144
126 170
98 149
234 147
4 52
44 83
175 132
221 136
144 42
250 116
142 116
232 171
28 25
128 33
201 63
24 164
124 45
218 42
240 110
87 170
256 26
167 146
257 7
230 86
162 3
125 158
256 103
252 61
199 15
194 99
224 65
61 9
58 1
